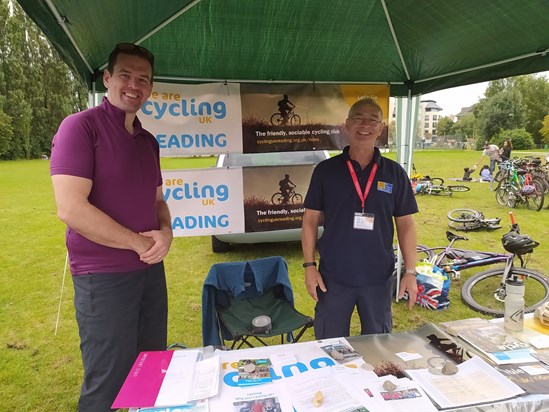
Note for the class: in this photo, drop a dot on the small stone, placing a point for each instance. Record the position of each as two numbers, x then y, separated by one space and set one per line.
389 386
367 366
318 399
449 368
336 355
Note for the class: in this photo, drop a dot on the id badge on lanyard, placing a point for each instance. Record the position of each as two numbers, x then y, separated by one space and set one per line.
363 221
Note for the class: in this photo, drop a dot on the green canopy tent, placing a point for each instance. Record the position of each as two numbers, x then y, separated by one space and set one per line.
416 46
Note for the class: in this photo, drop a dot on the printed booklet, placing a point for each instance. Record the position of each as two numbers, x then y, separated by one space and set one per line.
254 371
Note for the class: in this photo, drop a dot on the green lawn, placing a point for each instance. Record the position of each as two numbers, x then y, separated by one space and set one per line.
42 371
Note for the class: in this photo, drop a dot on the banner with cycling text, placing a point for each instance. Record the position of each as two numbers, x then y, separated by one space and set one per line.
216 118
204 201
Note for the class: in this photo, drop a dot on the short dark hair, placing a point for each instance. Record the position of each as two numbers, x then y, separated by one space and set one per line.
132 50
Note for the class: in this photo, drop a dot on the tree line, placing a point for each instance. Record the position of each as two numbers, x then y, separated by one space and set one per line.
515 108
37 89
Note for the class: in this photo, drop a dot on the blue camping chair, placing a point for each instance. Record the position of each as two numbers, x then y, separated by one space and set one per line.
235 293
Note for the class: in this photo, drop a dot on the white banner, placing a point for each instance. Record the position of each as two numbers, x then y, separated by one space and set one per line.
194 119
204 201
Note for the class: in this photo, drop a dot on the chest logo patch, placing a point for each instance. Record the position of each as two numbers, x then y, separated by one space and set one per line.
385 187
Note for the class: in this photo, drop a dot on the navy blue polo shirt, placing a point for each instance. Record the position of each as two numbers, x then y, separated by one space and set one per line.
351 256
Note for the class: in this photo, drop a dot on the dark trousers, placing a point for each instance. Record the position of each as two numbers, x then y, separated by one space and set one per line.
334 309
118 315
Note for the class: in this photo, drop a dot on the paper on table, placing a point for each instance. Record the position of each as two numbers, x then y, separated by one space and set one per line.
476 382
206 379
175 389
302 388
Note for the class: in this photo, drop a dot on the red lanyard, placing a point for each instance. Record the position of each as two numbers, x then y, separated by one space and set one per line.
361 195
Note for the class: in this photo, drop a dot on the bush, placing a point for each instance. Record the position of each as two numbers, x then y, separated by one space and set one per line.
520 138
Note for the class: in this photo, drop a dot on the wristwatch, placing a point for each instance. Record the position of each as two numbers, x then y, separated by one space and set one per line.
307 264
410 272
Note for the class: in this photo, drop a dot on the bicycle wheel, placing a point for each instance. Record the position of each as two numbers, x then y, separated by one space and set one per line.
437 181
495 183
423 253
463 215
277 199
297 199
502 195
458 188
482 292
277 119
465 226
534 201
295 120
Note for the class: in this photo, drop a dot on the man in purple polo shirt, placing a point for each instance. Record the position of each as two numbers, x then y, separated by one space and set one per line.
105 170
358 193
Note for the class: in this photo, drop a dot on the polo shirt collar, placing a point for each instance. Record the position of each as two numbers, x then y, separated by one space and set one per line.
376 158
118 116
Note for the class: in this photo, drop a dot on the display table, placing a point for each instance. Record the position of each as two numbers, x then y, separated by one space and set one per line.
388 354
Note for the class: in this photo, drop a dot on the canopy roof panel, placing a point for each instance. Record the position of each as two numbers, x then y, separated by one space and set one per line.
422 45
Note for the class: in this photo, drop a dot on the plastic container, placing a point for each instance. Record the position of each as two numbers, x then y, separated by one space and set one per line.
514 306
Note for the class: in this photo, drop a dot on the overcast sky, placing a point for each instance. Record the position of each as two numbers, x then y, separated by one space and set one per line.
452 100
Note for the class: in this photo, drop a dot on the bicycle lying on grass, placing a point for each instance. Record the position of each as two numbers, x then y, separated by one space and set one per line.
435 186
485 291
469 219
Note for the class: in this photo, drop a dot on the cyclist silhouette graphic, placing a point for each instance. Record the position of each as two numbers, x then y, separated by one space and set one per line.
286 185
285 106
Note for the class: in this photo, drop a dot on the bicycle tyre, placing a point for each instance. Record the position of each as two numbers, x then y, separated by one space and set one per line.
465 226
277 198
277 119
297 199
295 120
502 195
458 188
463 215
495 183
437 181
535 200
533 300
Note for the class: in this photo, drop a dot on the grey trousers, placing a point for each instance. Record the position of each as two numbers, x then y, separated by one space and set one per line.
334 309
118 316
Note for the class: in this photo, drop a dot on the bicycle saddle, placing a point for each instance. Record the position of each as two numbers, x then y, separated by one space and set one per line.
451 236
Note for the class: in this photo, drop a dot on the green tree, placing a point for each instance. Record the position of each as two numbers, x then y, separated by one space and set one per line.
444 126
520 138
500 111
465 127
545 129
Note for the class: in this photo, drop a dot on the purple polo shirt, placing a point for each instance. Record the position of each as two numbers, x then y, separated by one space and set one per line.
356 257
125 171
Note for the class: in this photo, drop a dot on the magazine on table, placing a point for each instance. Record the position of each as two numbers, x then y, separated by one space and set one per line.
339 350
497 345
254 372
531 377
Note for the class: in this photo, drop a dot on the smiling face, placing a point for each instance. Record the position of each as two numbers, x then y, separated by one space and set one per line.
130 83
364 124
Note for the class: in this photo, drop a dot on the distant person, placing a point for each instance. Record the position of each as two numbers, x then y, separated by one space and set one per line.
467 173
285 186
485 174
492 152
245 407
285 106
505 151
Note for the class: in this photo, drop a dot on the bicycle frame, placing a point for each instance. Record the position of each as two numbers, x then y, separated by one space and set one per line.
460 262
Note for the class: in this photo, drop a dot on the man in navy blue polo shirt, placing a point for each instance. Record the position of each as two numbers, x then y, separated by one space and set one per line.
358 193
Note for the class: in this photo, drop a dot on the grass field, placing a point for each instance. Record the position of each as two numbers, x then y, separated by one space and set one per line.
41 371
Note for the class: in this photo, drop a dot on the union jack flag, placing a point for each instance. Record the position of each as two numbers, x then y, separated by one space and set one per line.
429 298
